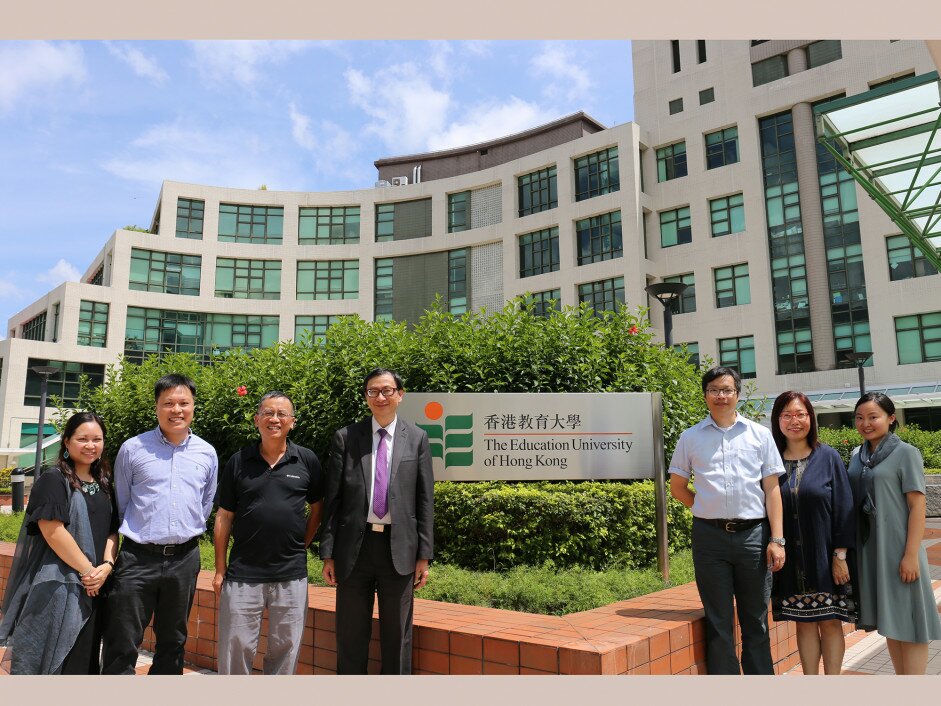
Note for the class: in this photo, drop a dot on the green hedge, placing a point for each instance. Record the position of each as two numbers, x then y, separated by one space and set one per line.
598 525
844 440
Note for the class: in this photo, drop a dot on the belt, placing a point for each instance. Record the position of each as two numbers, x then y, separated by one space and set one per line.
162 549
377 527
732 525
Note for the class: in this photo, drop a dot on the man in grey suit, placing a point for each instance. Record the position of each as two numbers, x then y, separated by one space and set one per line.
377 533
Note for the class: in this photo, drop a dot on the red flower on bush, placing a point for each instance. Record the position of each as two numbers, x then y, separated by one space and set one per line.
633 330
241 390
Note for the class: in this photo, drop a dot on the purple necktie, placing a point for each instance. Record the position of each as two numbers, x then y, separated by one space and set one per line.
381 485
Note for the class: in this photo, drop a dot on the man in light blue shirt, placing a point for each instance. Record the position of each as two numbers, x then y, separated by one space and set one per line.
737 522
164 482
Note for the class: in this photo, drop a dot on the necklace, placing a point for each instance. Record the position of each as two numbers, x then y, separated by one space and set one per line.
91 487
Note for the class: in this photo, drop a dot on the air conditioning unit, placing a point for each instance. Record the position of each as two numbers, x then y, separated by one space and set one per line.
381 183
399 181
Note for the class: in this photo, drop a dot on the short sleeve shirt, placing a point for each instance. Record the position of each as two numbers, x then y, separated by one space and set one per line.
727 466
269 506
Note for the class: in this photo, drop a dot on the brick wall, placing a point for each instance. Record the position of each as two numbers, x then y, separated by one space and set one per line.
660 633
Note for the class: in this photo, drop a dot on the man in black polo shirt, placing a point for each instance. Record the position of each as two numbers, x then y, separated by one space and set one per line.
262 492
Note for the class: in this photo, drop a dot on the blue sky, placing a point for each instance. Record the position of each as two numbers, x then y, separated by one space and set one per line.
88 130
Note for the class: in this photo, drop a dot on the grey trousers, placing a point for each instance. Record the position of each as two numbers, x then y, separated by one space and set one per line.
733 564
240 609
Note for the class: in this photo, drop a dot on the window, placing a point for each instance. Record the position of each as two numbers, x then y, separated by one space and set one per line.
886 82
675 54
771 69
701 51
851 337
676 106
457 281
795 350
316 326
603 295
383 290
328 279
597 174
403 220
823 52
738 353
707 95
93 324
537 191
248 279
544 303
686 302
65 384
727 215
918 338
241 223
99 277
692 351
35 328
756 42
671 162
189 218
905 260
328 225
599 238
55 321
675 227
732 287
157 331
167 272
539 252
458 212
789 285
721 148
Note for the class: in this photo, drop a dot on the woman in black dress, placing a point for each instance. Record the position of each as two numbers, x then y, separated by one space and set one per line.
813 589
51 619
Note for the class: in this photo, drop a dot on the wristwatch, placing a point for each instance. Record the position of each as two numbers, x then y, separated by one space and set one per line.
777 540
841 555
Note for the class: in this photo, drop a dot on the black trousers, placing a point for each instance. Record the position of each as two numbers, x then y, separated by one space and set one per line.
148 585
375 574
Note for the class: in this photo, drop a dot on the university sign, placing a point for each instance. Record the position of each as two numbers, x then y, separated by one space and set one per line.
539 436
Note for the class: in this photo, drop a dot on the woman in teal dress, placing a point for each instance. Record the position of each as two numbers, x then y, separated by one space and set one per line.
888 481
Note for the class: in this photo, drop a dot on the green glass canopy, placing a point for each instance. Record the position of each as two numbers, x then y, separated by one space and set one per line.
888 140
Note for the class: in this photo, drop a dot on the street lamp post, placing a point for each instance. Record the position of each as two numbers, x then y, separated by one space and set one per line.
44 372
859 358
665 293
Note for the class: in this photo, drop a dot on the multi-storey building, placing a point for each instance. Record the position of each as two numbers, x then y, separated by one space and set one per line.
719 184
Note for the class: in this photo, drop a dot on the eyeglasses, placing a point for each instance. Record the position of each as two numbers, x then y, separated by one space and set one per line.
725 392
271 414
386 392
799 416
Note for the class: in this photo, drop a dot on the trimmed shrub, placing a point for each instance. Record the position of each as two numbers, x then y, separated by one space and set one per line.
845 439
598 525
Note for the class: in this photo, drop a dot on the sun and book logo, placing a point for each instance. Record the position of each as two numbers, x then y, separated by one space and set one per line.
451 436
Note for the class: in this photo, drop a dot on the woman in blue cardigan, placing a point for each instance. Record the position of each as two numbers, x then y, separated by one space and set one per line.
813 589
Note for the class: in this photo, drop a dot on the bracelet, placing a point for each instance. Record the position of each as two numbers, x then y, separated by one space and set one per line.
85 573
110 563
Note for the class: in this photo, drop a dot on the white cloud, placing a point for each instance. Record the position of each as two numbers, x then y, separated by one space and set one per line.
404 106
180 152
141 64
31 68
489 121
567 80
334 150
241 61
440 58
62 271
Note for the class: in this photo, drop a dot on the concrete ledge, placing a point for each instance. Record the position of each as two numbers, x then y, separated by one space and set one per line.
660 633
933 495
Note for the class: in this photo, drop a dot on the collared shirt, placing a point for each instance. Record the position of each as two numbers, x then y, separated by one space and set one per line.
268 502
728 466
371 516
164 492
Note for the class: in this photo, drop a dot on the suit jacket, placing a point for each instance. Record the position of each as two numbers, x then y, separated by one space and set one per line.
346 497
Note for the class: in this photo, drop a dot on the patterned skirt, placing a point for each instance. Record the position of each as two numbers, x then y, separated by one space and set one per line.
810 607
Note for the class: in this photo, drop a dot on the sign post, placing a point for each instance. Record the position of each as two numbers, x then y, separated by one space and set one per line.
547 436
